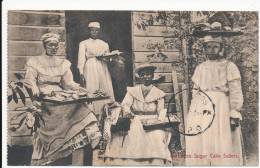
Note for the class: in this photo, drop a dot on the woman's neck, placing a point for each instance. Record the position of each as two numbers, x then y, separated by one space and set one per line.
218 60
51 60
147 85
93 38
49 56
146 89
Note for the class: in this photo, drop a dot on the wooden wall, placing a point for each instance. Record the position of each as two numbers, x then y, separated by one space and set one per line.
25 29
158 43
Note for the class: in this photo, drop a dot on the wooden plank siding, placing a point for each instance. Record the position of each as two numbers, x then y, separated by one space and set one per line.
32 33
149 56
147 43
153 38
151 17
30 48
36 18
156 31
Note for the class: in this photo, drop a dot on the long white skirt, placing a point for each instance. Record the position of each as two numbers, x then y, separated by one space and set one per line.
98 77
218 145
139 147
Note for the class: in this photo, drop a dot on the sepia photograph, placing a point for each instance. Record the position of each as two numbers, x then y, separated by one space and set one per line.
132 88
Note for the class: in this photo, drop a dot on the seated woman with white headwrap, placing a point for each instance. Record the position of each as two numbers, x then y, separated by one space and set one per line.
68 127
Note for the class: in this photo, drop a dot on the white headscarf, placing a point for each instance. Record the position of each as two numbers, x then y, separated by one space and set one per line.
94 24
47 37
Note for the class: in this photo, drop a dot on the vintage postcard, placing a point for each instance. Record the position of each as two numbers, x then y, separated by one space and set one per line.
132 87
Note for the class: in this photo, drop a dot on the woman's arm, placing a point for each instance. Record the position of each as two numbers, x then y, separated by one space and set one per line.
31 79
235 98
235 91
127 103
106 50
81 57
68 82
161 110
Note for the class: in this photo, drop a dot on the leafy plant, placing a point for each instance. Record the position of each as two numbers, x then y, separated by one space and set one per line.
19 88
31 116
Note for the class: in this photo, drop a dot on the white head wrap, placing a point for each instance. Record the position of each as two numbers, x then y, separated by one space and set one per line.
47 37
94 24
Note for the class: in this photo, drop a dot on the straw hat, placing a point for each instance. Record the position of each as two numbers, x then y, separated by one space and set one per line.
218 24
144 66
210 38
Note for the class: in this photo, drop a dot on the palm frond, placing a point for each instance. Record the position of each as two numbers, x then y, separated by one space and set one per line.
10 98
29 91
21 94
15 96
18 76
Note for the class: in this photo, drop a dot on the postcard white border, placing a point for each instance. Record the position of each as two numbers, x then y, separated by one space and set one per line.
180 5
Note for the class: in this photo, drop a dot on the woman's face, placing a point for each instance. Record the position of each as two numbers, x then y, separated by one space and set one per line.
212 50
94 32
51 48
146 76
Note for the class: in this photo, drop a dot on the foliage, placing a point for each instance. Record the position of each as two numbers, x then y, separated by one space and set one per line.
31 116
18 89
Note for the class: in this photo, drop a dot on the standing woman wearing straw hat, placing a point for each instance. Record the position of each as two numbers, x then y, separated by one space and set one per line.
221 143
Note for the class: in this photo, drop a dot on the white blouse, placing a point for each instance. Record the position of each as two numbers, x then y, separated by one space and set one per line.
136 103
90 48
222 76
47 74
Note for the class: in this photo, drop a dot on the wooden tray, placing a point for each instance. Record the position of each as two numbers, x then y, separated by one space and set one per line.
110 55
80 100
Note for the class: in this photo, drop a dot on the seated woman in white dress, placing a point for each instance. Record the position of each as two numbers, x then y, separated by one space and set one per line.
68 127
143 103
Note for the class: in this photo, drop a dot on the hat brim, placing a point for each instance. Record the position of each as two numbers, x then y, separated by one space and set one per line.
138 70
201 33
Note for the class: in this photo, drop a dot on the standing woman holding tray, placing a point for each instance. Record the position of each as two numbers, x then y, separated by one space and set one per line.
94 72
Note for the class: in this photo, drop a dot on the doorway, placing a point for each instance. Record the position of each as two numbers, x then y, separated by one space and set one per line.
115 30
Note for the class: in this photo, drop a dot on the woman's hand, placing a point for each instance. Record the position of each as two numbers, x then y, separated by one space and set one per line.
234 122
82 81
129 115
105 59
36 92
